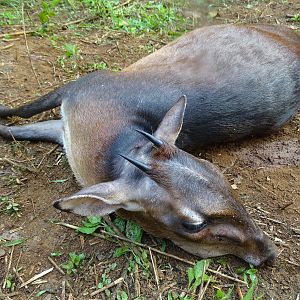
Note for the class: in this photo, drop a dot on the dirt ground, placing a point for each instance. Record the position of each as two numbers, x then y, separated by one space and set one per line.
265 171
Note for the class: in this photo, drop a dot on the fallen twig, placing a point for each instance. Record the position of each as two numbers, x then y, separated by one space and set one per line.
152 249
7 46
15 164
202 293
107 286
35 277
16 33
291 262
63 290
55 265
239 292
155 273
48 153
19 277
266 189
9 266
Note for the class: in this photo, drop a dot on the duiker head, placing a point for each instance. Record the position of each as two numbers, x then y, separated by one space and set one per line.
175 195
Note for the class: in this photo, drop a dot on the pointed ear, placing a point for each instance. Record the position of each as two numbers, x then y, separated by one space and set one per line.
170 126
100 199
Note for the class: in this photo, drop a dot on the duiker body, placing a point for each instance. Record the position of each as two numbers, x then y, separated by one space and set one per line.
122 133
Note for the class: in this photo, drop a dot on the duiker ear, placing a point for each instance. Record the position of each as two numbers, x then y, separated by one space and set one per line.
100 199
170 126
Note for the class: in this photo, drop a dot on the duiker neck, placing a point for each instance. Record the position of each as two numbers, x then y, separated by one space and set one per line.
127 143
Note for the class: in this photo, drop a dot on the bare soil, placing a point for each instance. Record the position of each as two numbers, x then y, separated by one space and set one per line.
265 173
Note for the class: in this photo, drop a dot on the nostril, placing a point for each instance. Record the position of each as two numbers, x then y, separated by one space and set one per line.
270 259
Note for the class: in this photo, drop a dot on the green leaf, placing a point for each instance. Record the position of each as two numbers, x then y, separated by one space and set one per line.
55 254
199 268
122 295
40 293
87 230
220 294
121 251
134 231
94 220
191 276
59 180
250 292
54 3
120 224
13 243
240 270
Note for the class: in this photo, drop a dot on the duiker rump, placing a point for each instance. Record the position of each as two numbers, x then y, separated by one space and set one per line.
126 133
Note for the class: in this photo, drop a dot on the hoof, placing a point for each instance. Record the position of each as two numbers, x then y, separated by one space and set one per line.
3 111
5 132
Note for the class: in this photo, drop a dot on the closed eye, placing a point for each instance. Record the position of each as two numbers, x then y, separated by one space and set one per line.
193 227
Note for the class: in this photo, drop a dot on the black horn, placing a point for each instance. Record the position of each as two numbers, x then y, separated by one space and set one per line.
145 168
157 142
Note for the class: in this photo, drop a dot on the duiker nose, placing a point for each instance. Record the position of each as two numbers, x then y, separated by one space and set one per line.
267 251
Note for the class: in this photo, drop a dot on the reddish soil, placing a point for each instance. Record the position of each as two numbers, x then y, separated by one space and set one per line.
266 172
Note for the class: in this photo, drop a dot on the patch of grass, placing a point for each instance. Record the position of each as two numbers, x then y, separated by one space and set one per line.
135 18
97 66
11 11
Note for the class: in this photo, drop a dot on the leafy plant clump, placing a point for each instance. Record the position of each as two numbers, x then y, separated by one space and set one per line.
296 18
75 260
9 206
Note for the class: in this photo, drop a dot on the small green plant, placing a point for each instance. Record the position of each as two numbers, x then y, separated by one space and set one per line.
97 66
296 18
48 10
249 276
10 283
133 231
71 56
105 279
221 295
196 274
9 206
71 51
75 260
90 224
121 295
173 295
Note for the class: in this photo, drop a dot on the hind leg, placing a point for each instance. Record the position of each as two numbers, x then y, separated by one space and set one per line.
48 131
